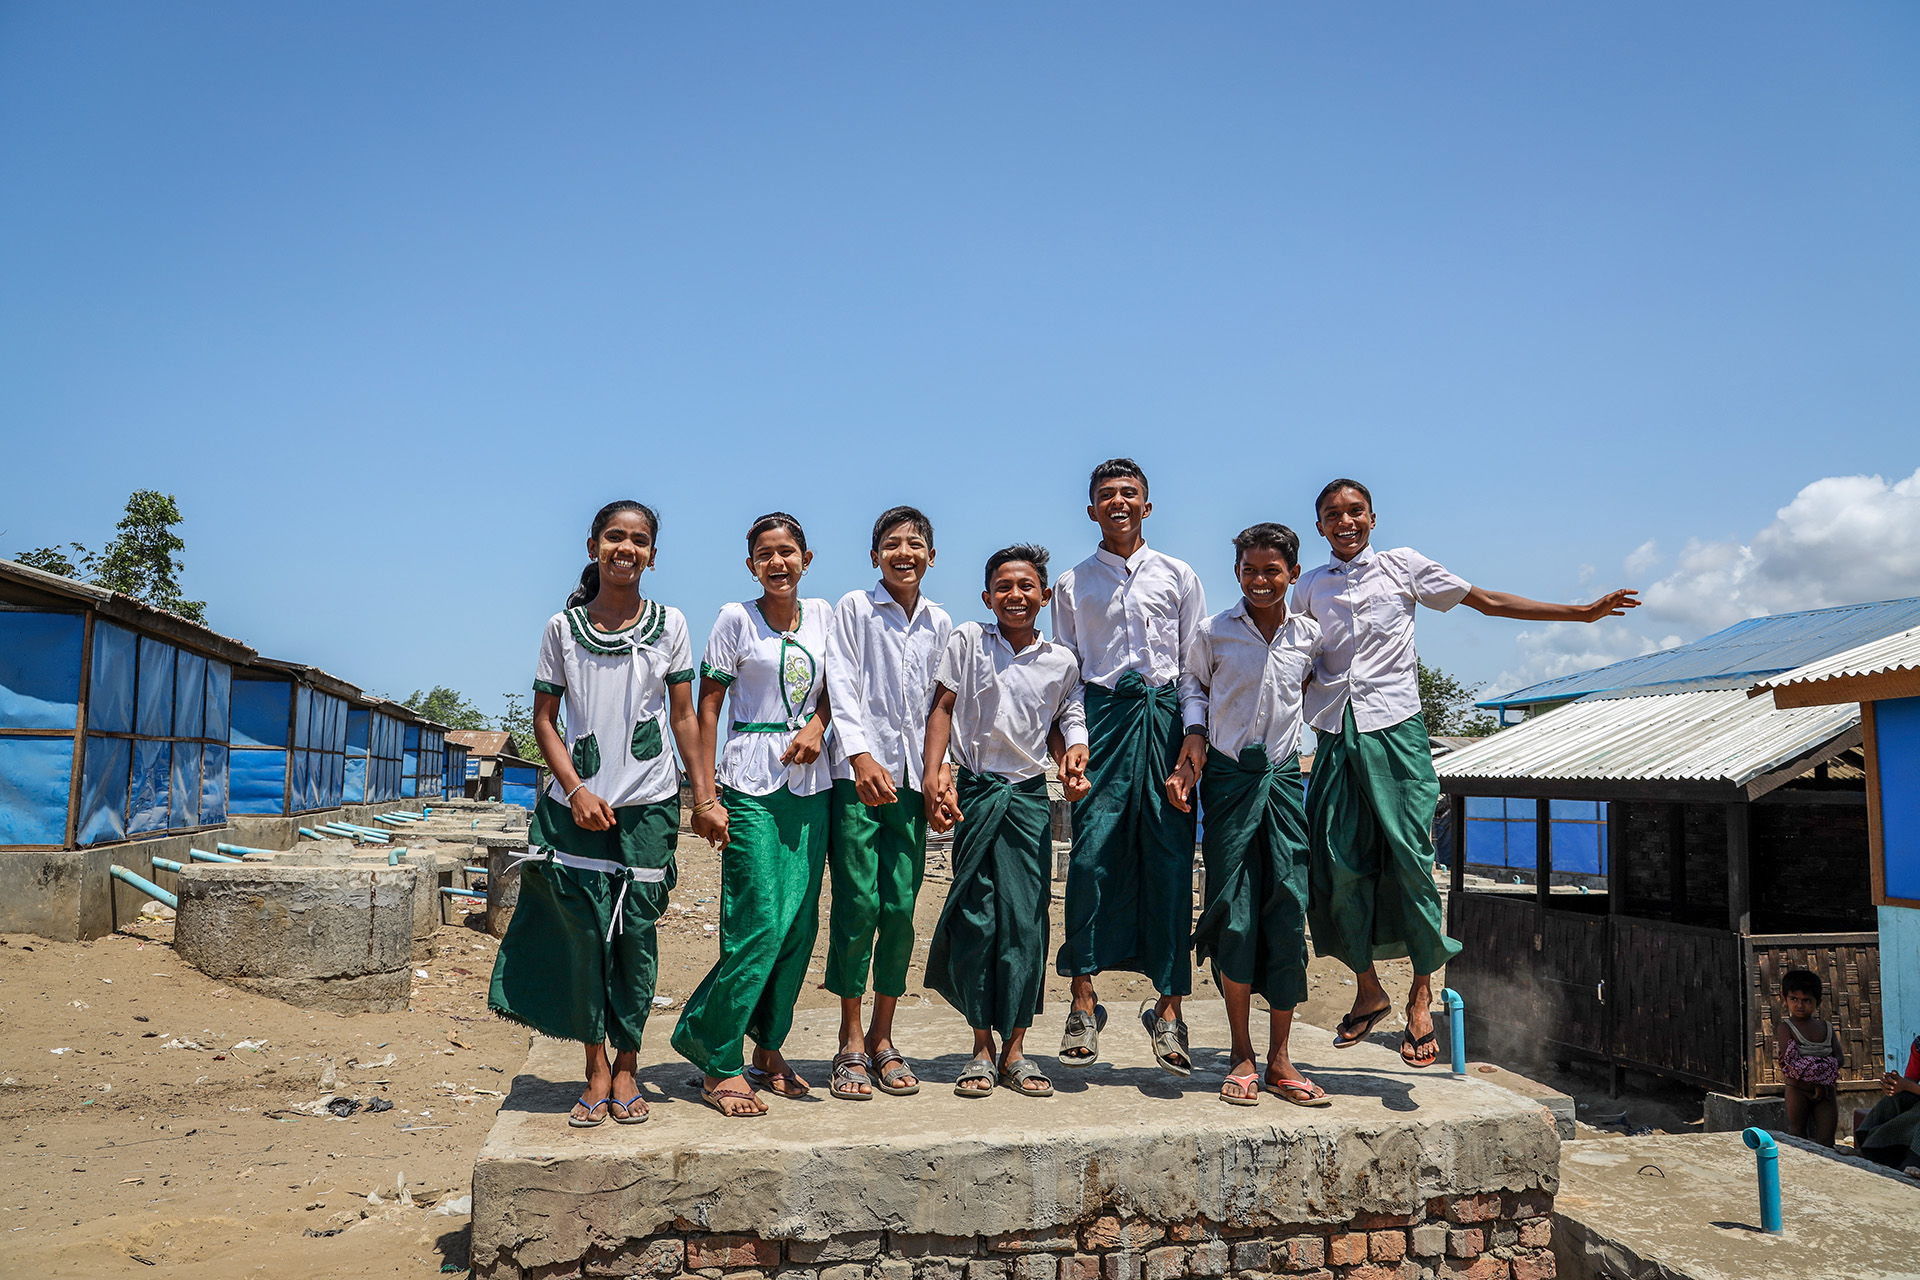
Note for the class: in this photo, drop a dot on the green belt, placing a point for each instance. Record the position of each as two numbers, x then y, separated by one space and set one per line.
769 726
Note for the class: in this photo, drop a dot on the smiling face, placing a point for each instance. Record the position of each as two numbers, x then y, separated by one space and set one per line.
1346 521
903 557
1265 576
777 561
623 549
1119 507
1016 596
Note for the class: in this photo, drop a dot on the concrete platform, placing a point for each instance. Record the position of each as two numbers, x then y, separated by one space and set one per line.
1686 1207
1121 1138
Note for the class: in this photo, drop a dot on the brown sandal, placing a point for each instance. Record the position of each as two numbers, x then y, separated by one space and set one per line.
712 1097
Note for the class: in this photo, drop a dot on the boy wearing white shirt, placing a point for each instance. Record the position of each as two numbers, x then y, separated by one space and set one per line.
1004 698
881 655
1128 614
1253 660
1370 810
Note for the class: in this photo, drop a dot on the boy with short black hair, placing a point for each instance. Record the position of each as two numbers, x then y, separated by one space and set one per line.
1253 660
1004 699
881 653
1128 614
1371 894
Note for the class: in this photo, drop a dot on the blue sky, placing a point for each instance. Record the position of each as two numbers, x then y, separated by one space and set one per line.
393 297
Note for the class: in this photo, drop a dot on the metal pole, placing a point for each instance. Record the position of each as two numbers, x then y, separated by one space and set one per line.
1767 1156
148 887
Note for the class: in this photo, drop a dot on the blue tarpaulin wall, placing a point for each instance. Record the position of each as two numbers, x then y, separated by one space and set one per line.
423 763
519 784
39 696
456 772
289 748
373 758
1502 833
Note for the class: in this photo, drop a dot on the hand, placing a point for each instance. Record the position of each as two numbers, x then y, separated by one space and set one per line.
805 747
1073 773
1892 1083
874 784
1180 786
1611 605
590 812
1193 754
943 809
710 824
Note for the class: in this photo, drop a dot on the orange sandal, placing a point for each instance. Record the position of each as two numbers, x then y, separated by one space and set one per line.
1248 1090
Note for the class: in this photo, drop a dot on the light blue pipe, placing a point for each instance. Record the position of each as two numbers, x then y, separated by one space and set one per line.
240 848
464 893
148 887
1767 1156
475 871
395 854
409 813
168 864
311 834
398 822
1456 1027
201 855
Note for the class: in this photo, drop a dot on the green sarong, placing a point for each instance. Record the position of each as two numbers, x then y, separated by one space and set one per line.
989 951
769 915
876 857
558 971
1130 880
1253 927
1370 808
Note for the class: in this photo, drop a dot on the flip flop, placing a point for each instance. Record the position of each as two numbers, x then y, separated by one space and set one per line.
844 1079
1408 1042
977 1069
771 1081
587 1121
1167 1037
1352 1030
626 1114
1016 1074
891 1064
712 1098
1083 1033
1301 1093
1250 1090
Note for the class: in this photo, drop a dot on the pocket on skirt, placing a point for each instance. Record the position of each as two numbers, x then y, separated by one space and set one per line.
586 756
647 742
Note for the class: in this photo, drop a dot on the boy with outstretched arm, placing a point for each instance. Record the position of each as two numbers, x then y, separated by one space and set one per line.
1253 660
1004 697
1370 810
881 654
1128 613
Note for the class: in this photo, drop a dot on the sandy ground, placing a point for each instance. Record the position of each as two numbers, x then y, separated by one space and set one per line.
151 1105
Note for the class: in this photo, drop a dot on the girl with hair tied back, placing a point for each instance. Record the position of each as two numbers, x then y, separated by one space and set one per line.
579 959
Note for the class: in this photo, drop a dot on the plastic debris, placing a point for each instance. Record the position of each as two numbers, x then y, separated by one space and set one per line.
375 1105
343 1107
65 1048
255 1045
458 1207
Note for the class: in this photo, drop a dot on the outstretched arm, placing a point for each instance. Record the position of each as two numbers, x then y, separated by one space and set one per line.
1500 604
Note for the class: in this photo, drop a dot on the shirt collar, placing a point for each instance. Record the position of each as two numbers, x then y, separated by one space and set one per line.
1239 610
1040 643
883 597
1128 563
1364 558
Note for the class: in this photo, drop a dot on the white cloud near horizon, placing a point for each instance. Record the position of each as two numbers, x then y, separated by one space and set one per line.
1842 540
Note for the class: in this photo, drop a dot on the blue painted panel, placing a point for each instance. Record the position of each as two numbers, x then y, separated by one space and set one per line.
35 774
353 786
40 670
154 714
213 785
517 793
413 737
103 785
1486 842
1899 979
219 700
357 732
184 809
257 782
110 694
1576 847
189 696
147 794
260 715
409 787
1896 728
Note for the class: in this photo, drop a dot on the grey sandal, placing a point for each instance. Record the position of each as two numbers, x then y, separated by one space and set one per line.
1168 1037
1080 1046
977 1069
844 1078
891 1064
1016 1074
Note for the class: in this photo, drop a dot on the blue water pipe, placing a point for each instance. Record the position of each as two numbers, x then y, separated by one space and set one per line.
464 893
475 871
395 854
1767 1156
148 887
168 864
1456 1027
381 817
201 855
240 848
409 813
311 834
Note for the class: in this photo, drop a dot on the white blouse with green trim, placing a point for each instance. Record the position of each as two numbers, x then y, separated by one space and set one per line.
613 691
774 681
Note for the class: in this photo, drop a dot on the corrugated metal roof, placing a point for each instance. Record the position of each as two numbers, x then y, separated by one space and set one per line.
1734 658
481 742
1899 652
1713 736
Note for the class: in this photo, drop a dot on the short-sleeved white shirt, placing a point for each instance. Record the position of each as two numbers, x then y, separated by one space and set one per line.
613 690
1253 685
1005 702
1134 613
1365 610
880 680
772 678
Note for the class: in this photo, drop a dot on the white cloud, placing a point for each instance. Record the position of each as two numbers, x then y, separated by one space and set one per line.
1842 540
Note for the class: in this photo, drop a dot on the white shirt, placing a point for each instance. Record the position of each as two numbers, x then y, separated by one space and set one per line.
1004 702
772 678
1133 614
1253 686
613 687
1365 610
880 666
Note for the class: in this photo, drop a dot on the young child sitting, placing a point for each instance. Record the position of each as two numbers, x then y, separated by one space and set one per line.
1810 1060
1890 1133
1003 697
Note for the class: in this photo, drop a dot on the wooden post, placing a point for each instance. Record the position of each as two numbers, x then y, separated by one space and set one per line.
1616 851
1677 862
1542 850
1739 870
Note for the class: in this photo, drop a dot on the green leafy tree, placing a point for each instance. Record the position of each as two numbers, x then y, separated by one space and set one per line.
450 707
141 560
518 722
1447 705
54 560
